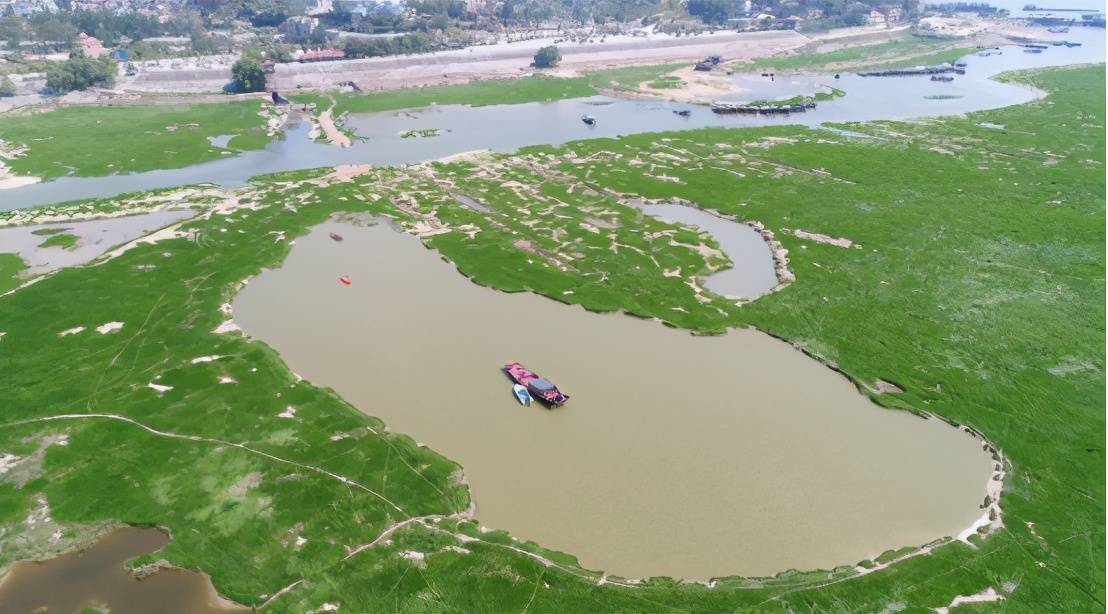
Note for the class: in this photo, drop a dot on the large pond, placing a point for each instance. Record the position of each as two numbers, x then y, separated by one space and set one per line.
510 127
98 578
677 455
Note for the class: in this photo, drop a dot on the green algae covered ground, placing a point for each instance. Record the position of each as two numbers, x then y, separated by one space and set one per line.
897 53
976 284
102 140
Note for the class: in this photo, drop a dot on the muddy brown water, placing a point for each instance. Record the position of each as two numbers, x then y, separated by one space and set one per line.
97 577
677 455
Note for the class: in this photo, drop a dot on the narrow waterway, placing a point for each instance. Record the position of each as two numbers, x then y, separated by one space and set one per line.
510 127
677 455
97 578
752 274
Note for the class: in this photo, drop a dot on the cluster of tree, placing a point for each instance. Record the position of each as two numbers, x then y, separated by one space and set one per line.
431 15
248 72
413 42
963 7
57 31
80 72
260 13
547 57
821 13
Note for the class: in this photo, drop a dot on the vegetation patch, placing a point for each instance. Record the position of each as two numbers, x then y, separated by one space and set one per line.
90 141
63 240
46 232
897 53
666 83
11 265
416 134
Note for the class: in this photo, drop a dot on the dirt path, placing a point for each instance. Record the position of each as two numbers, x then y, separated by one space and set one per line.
327 124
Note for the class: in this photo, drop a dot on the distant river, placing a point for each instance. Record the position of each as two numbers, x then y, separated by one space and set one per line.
510 127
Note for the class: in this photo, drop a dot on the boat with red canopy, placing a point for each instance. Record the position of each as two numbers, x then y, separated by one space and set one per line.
539 387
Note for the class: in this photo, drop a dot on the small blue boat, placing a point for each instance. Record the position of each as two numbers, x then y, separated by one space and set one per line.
522 395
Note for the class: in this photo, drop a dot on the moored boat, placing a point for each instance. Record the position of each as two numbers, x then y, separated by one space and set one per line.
539 387
522 395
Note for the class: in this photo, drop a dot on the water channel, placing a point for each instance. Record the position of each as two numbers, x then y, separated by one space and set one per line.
510 127
677 455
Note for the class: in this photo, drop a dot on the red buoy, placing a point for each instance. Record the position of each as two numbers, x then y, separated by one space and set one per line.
345 280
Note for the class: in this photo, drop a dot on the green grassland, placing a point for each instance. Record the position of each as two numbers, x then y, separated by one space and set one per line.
103 140
979 288
897 53
11 265
536 88
477 93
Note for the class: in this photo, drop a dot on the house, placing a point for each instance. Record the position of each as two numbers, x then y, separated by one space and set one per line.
90 45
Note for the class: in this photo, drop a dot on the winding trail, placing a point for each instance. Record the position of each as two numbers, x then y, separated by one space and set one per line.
340 478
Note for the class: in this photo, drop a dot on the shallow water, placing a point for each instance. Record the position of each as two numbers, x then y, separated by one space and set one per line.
677 455
753 273
220 140
94 237
510 127
97 578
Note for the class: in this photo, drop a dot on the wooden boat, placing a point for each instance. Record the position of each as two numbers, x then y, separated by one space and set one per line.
522 395
539 387
683 112
336 236
589 119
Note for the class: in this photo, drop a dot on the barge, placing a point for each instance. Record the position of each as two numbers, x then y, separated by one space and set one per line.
539 387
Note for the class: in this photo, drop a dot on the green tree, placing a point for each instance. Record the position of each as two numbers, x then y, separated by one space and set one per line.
80 72
712 11
11 31
7 88
547 57
248 74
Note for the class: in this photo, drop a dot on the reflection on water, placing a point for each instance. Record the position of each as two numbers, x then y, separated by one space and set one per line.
677 455
97 577
510 127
